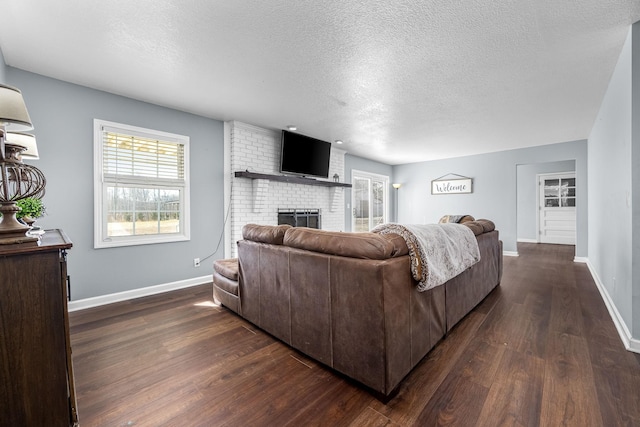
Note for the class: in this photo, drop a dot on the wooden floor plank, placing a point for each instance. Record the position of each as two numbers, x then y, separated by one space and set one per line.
339 405
540 350
457 402
522 385
371 418
569 395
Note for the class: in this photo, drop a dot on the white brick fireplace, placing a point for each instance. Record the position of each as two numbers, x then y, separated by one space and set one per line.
254 149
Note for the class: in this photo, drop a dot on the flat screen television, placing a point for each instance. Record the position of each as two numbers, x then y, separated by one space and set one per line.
303 155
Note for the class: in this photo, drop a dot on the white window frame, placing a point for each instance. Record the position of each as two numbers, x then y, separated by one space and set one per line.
101 239
371 177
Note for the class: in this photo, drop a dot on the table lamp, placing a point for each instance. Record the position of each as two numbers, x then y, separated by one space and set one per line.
17 179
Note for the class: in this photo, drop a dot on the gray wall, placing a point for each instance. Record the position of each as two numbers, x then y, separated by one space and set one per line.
494 188
612 221
62 115
527 194
3 69
358 163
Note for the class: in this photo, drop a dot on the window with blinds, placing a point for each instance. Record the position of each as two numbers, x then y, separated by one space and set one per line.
141 186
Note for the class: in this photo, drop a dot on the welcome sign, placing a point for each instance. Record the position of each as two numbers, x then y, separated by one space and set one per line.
452 186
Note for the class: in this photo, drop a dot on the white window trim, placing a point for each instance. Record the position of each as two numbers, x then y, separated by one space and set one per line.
99 190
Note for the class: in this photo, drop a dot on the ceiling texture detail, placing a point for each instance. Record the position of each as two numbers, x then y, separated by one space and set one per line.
398 81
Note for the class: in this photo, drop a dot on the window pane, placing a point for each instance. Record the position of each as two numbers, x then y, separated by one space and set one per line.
135 211
552 203
361 204
378 203
119 212
550 191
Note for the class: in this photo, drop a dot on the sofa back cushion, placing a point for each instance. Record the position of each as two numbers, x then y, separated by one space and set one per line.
273 234
480 226
353 245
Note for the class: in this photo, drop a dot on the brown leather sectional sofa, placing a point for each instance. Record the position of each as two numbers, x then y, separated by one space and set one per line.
349 300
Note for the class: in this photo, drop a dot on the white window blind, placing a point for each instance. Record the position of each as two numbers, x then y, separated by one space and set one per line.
141 158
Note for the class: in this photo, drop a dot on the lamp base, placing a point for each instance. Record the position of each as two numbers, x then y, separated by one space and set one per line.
12 231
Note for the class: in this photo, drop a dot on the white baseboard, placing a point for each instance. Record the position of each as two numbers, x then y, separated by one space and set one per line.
523 240
137 293
629 342
510 253
581 259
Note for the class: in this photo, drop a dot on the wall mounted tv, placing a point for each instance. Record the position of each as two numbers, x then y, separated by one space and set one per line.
303 155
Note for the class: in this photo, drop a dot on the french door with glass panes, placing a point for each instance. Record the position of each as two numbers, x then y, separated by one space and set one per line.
369 200
557 208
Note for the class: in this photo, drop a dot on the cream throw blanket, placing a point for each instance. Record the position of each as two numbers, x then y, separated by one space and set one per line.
438 252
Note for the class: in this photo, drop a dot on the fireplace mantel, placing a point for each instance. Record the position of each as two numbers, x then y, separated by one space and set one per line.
290 179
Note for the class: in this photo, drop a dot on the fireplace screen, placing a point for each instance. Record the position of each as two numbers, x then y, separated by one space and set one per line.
300 217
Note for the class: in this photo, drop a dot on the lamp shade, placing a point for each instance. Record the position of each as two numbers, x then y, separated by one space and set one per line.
13 111
25 140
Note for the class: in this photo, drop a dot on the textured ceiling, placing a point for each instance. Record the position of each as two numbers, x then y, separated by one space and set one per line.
399 81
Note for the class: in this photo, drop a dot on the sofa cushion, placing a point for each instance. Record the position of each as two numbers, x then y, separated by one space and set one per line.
487 225
353 245
475 226
399 244
227 268
225 284
272 234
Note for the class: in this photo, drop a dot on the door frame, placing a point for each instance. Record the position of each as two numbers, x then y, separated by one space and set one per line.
540 188
372 176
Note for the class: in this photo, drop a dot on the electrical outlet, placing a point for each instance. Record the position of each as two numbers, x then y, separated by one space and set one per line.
196 262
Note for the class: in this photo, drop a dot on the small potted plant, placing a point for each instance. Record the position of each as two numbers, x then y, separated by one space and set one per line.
31 209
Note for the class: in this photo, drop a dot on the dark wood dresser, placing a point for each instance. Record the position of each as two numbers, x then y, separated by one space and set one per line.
36 371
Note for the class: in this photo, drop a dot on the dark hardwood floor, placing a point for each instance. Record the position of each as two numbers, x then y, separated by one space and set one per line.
541 350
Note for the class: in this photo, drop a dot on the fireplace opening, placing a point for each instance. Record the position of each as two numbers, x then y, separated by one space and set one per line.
300 217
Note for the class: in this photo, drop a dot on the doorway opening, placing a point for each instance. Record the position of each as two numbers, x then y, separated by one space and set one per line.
557 208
